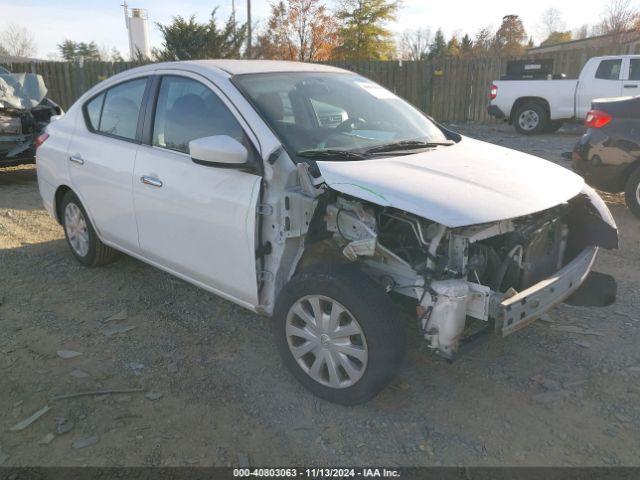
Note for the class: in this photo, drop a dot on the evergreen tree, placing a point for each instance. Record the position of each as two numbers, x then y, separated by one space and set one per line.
438 48
363 33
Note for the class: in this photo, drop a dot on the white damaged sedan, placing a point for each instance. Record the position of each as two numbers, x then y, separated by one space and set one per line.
313 195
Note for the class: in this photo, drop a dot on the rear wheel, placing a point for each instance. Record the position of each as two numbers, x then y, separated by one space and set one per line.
531 119
632 193
81 237
339 334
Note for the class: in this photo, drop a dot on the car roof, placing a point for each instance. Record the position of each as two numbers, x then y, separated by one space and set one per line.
240 67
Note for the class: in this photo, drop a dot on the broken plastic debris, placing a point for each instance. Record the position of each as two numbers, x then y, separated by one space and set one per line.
66 354
85 442
77 373
64 426
28 421
153 396
47 439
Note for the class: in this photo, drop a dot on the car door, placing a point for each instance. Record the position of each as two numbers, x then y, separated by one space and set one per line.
631 82
197 221
102 156
605 83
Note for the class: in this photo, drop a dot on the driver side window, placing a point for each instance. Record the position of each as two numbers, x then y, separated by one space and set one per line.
186 110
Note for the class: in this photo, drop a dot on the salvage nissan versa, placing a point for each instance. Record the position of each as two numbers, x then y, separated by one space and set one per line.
313 195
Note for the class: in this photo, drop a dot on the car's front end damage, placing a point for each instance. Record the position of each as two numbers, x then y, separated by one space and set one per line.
462 276
24 114
505 274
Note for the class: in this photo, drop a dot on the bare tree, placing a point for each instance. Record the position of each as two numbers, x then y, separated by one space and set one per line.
414 44
582 32
18 41
551 21
619 16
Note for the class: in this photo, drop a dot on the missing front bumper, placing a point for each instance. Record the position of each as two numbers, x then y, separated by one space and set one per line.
523 308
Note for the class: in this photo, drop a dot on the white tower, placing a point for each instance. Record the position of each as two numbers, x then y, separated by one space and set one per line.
136 20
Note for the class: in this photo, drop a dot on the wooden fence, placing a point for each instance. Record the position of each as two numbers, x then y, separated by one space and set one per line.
450 90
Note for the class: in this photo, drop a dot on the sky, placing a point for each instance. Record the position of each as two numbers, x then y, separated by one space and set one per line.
102 21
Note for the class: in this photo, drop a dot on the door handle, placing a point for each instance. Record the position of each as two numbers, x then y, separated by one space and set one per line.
154 182
631 86
77 158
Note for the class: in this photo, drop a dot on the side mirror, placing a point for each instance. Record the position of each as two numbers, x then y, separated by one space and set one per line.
218 150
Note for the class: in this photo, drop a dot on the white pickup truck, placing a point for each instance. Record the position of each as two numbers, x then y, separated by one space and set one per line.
539 106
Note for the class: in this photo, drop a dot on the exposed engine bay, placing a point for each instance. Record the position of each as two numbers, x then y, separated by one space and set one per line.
503 274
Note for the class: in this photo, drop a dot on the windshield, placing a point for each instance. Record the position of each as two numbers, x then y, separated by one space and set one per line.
338 114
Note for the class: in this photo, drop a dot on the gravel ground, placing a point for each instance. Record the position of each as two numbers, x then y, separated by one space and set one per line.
214 391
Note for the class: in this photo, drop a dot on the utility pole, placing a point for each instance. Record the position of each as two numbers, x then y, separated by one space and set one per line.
248 28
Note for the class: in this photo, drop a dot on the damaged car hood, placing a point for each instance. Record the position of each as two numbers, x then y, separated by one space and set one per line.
468 183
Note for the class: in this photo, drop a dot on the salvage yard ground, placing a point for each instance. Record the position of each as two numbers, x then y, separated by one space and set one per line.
565 391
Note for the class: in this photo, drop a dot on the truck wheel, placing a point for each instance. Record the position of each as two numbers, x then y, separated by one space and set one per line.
531 119
339 334
632 193
81 237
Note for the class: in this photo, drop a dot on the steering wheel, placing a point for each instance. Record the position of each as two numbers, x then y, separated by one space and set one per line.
350 124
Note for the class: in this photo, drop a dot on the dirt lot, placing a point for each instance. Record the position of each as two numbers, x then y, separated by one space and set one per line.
543 396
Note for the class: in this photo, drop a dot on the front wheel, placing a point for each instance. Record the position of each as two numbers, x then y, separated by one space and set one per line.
531 119
632 193
339 334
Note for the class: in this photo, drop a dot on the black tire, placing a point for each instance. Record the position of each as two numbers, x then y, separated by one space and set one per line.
553 126
376 314
534 129
632 192
98 253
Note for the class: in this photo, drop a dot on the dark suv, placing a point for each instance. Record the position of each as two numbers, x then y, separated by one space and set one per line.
608 154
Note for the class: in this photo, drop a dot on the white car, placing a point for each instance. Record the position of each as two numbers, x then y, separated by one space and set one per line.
223 174
538 106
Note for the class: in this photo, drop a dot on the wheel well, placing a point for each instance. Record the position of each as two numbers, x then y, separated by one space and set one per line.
524 100
60 193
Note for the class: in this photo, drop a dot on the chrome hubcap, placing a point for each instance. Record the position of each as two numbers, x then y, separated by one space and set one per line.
528 120
76 228
326 341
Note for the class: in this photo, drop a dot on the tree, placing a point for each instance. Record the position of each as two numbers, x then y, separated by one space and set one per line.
115 55
483 42
511 36
73 51
18 41
551 21
275 42
363 33
557 37
187 39
414 44
618 17
466 45
314 30
299 30
581 32
438 47
453 47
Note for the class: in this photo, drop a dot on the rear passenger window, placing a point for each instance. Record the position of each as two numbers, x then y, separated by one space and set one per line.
187 110
94 110
115 112
609 69
634 69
